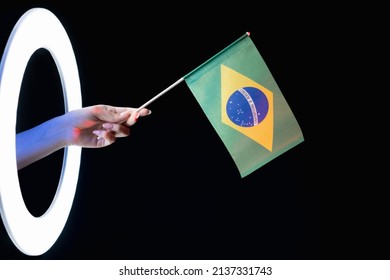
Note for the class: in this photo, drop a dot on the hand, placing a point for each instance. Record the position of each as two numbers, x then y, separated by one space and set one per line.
90 127
100 125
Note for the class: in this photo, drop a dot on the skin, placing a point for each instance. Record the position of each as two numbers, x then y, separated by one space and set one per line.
95 126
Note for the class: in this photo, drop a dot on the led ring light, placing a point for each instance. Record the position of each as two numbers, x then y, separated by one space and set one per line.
37 28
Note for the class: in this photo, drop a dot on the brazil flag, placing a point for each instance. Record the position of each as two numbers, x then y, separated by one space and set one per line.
244 104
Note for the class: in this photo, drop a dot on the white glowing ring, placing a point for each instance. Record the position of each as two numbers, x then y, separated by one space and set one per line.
37 28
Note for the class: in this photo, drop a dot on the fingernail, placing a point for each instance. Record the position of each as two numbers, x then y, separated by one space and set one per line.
149 112
107 125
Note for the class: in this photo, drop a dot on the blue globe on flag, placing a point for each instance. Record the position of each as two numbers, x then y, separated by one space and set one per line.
247 107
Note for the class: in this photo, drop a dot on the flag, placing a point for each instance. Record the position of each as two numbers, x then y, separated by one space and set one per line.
241 99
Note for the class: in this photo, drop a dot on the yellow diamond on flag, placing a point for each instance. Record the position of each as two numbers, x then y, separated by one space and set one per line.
247 107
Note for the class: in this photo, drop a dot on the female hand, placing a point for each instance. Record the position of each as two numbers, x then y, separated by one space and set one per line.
100 125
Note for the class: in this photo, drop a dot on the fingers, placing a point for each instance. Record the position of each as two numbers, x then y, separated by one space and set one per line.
132 119
117 129
109 133
116 120
131 110
121 115
135 115
118 125
109 114
104 138
144 112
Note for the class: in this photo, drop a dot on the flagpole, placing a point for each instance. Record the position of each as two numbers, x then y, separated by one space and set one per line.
160 94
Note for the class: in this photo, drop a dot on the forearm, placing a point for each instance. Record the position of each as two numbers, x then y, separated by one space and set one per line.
40 141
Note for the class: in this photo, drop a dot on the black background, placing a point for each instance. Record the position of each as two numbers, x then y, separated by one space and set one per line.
171 190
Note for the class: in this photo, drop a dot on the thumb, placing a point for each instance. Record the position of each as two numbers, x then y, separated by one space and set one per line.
132 119
122 117
112 117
